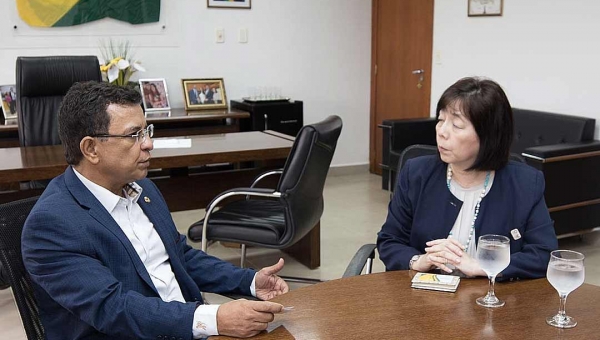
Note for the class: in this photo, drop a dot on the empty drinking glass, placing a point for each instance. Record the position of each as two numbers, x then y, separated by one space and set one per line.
493 255
565 274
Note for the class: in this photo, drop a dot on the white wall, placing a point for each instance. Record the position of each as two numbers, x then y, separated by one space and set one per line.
316 51
545 54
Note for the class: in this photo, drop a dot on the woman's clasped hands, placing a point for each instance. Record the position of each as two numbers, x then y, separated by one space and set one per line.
444 252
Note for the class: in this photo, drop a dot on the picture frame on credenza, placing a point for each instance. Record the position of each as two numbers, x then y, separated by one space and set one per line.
9 101
155 95
204 94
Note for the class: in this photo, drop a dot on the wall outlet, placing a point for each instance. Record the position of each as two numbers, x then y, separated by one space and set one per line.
220 35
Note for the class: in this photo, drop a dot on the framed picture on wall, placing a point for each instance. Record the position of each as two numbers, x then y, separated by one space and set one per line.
9 101
480 8
246 4
154 94
202 94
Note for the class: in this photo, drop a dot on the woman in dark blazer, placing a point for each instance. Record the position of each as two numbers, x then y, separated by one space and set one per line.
443 203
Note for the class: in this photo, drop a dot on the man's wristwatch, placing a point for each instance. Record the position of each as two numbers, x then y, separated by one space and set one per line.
412 261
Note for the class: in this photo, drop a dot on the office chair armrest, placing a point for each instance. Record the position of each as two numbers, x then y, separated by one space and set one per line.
259 192
364 255
264 175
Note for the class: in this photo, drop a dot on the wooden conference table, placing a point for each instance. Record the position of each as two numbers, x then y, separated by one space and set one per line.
383 306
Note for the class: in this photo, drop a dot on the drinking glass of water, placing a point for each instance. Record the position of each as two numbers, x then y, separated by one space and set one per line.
565 274
493 255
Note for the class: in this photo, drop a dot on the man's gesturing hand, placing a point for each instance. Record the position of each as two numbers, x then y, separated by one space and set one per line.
267 284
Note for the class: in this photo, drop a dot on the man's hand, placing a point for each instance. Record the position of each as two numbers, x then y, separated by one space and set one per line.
267 284
243 318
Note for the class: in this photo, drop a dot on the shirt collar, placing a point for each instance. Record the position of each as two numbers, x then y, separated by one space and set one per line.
109 200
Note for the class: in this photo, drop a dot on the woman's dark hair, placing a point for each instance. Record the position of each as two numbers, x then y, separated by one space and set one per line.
83 113
486 106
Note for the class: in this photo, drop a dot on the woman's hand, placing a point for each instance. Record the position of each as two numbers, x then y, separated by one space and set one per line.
439 253
470 267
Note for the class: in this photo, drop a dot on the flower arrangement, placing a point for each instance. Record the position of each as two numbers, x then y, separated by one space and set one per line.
118 65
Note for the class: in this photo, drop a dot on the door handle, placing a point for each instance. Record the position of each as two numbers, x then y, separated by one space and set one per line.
420 72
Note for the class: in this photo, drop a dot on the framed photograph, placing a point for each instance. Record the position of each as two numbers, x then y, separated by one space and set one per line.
201 94
155 95
246 4
9 101
480 8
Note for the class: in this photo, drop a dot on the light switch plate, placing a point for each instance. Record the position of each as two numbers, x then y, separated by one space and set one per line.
243 35
220 35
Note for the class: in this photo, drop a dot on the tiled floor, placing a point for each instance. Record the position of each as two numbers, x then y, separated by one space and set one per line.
355 208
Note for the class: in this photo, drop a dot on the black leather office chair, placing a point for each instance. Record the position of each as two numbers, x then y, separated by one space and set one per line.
12 219
42 83
292 209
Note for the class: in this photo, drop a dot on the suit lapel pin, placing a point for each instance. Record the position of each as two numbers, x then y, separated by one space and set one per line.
146 199
515 234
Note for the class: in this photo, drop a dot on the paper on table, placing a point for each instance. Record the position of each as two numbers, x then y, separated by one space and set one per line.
174 143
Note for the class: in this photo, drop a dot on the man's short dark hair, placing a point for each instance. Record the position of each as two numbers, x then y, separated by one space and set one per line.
83 113
486 106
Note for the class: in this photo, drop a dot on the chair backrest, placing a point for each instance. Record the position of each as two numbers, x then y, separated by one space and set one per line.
425 150
12 219
303 178
42 83
413 151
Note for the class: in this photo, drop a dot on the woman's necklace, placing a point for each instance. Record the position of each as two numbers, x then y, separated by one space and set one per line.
485 184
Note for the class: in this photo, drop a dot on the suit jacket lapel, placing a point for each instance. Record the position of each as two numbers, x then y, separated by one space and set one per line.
97 211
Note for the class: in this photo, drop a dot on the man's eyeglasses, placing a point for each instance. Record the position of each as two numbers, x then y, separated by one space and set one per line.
139 136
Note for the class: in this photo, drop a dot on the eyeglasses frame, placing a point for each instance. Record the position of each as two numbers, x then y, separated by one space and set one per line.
142 133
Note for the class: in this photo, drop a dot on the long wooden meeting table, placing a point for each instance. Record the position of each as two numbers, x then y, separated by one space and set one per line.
383 306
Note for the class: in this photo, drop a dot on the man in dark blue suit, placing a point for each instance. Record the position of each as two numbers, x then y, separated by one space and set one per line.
103 253
193 95
208 92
